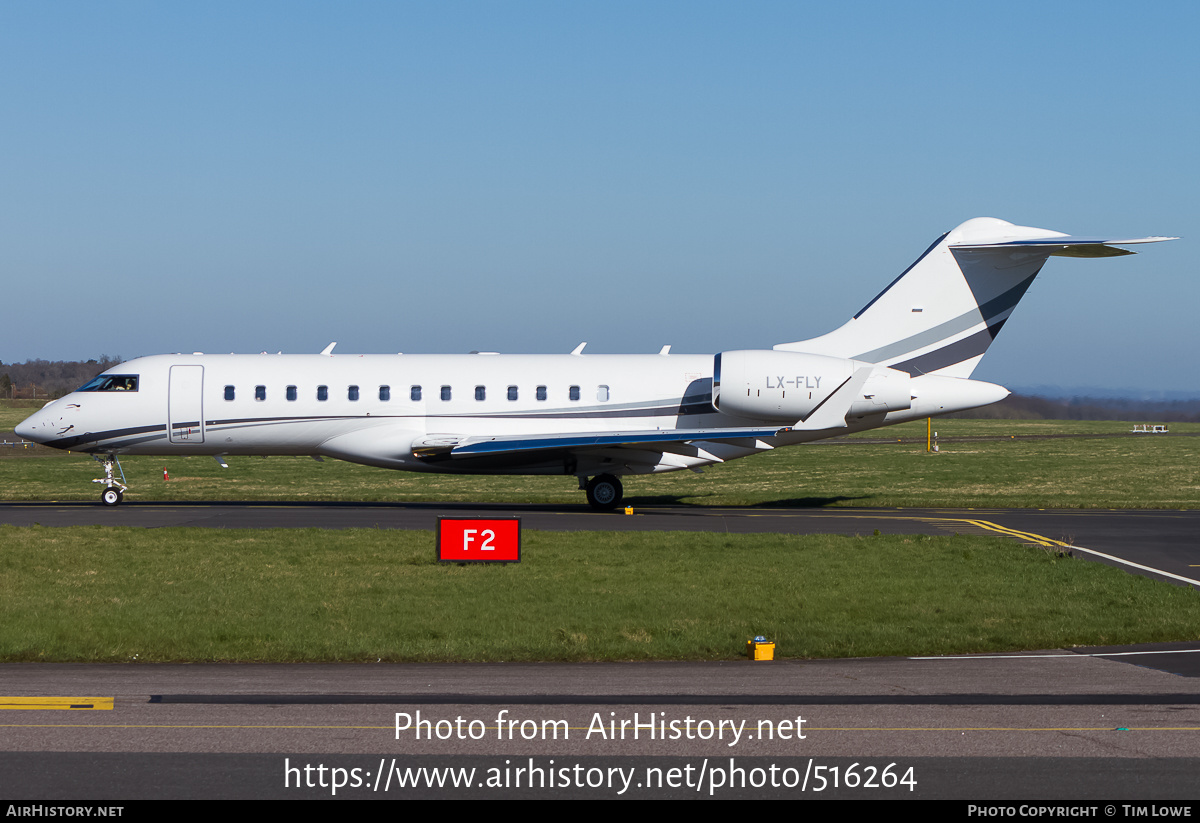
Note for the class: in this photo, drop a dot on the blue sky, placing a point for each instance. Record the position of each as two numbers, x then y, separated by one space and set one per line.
522 176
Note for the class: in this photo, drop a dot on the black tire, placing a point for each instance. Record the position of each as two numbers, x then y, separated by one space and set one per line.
604 492
111 497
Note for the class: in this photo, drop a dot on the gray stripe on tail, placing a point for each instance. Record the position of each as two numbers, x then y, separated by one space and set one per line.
987 312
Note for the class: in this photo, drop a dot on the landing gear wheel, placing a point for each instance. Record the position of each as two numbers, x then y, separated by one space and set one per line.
604 492
114 489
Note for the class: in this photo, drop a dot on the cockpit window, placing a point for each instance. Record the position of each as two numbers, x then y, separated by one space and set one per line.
112 382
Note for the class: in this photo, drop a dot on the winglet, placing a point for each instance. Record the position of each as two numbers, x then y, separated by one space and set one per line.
328 350
579 349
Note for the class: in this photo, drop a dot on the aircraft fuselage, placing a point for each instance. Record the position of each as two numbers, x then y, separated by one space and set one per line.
375 409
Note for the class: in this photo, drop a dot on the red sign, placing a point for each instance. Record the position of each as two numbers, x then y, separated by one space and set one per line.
476 540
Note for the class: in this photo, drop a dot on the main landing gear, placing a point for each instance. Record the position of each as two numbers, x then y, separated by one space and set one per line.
114 490
604 492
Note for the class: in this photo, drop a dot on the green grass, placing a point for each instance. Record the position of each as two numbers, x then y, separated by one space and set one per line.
13 412
118 594
1142 471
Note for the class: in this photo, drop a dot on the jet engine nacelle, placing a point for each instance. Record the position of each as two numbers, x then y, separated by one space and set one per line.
779 386
786 387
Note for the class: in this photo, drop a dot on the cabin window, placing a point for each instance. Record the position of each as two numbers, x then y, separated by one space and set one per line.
111 382
602 394
480 393
512 392
385 394
574 393
229 392
322 393
260 393
445 392
414 394
541 392
292 394
352 393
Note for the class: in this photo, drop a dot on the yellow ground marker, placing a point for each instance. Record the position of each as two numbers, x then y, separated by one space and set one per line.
44 703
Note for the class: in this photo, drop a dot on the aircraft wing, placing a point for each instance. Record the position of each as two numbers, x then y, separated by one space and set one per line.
521 443
829 415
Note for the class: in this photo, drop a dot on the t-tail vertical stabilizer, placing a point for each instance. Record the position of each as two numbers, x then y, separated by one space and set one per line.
941 314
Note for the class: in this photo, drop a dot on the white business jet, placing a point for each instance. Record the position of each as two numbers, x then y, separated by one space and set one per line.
906 355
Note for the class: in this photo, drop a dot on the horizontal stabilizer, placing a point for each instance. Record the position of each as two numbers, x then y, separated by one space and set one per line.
1067 245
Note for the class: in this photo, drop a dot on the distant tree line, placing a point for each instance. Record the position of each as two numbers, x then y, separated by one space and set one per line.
1024 407
54 378
49 378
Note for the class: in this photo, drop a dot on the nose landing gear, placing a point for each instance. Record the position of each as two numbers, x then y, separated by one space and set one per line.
114 490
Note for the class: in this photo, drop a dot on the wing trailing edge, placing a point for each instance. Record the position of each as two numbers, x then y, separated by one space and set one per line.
515 444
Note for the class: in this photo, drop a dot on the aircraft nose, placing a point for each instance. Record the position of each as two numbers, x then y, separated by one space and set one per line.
31 429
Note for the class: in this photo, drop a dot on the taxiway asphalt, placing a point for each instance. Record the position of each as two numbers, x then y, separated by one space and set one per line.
1160 543
1058 724
1066 725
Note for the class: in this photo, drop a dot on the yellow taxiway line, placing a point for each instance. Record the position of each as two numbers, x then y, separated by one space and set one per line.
44 703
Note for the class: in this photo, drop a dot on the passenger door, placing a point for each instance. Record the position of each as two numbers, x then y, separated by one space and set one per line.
185 404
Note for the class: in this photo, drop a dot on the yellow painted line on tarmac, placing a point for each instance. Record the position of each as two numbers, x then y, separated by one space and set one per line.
1023 536
1049 541
1028 537
176 726
988 526
45 703
981 524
